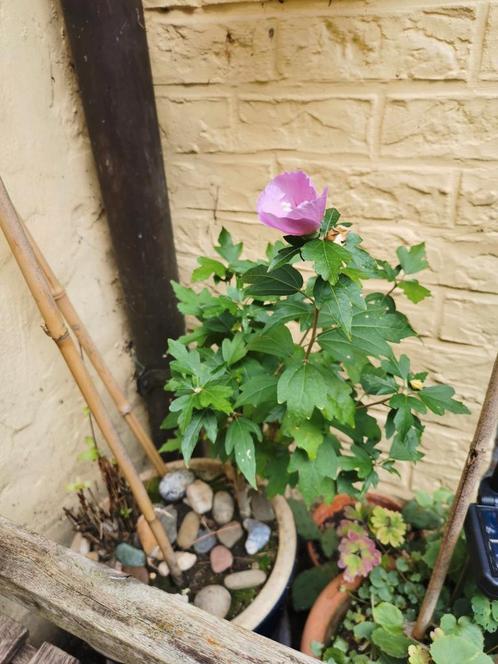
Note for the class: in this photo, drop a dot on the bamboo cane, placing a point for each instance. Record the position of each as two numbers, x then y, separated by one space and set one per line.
78 327
465 494
56 328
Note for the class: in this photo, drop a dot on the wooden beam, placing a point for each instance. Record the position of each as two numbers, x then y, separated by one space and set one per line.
123 618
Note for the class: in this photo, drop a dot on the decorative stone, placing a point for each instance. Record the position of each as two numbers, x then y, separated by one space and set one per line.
163 569
80 544
214 599
168 516
223 507
139 573
185 560
92 555
206 541
262 509
230 534
173 485
259 535
244 502
188 530
129 556
221 559
200 496
248 579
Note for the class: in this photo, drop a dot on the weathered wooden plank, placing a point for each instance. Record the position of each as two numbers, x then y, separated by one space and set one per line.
24 655
127 620
49 654
12 638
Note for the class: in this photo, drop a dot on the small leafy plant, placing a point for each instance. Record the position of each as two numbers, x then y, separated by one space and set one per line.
279 375
377 625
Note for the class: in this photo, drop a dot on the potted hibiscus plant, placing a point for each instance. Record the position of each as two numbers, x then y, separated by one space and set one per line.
385 559
280 381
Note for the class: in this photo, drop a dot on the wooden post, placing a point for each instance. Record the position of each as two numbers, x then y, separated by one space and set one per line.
111 59
56 328
465 494
128 620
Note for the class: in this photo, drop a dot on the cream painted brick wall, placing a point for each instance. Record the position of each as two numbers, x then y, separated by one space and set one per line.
391 103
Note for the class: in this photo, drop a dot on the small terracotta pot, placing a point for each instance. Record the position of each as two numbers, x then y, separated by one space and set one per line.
329 609
323 512
331 605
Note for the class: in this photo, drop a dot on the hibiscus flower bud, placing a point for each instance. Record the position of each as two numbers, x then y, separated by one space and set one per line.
291 203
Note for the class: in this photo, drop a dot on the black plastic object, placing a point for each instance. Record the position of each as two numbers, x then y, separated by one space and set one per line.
481 529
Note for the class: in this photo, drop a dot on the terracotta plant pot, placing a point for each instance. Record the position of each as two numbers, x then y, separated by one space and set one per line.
323 512
331 605
261 613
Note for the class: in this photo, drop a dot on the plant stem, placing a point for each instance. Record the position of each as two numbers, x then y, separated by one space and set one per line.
374 403
396 284
467 488
313 333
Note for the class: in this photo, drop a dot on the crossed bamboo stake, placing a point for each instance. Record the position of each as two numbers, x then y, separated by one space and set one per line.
57 310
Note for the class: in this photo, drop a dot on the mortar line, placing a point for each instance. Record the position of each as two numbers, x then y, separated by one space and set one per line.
476 54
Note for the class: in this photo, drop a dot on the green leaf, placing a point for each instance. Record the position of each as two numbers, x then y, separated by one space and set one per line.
234 349
329 258
191 436
336 304
329 541
216 396
414 291
283 257
293 308
452 649
308 436
283 281
257 390
210 424
330 220
171 445
312 484
277 341
310 583
327 459
305 525
239 439
302 388
393 644
412 260
387 615
226 248
439 398
376 381
207 267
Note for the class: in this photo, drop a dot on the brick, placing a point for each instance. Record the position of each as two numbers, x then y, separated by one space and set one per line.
470 319
425 44
489 63
382 195
195 125
224 52
478 199
458 127
332 125
444 447
429 477
208 185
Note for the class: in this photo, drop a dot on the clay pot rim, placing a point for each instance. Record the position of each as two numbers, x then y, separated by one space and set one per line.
277 583
331 603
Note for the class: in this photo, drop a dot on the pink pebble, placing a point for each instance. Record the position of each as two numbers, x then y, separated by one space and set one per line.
221 559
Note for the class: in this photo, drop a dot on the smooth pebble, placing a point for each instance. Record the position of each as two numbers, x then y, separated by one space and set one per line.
248 579
221 559
262 509
129 556
214 599
259 535
200 496
206 541
230 534
223 507
173 485
188 530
